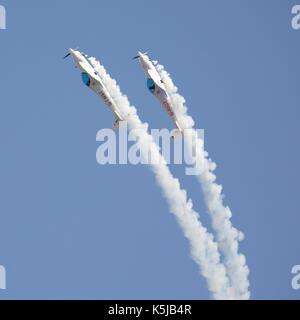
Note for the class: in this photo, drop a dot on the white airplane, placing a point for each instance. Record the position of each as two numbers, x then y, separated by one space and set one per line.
91 79
157 87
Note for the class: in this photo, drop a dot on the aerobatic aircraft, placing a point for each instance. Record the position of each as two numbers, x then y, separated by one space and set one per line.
157 87
92 79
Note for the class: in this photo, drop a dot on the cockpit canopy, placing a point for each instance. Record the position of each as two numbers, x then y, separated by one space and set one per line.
151 85
86 78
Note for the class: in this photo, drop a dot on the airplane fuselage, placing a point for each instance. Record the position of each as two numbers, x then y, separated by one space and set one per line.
157 87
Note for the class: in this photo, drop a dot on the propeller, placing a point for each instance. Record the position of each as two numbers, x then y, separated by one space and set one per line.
67 55
138 56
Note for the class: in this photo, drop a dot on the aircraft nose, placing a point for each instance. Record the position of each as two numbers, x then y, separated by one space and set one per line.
72 52
138 56
75 54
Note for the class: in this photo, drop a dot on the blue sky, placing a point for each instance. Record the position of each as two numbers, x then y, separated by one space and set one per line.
70 228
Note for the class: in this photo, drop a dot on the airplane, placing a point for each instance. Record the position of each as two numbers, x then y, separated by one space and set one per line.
91 79
157 87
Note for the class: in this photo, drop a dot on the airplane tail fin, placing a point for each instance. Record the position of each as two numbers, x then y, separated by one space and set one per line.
117 124
176 133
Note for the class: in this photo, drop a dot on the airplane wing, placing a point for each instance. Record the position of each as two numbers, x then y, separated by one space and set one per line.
156 78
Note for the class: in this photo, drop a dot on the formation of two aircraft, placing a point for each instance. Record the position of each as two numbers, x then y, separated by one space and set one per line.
154 83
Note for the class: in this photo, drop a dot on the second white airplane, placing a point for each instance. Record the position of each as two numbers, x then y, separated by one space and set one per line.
157 87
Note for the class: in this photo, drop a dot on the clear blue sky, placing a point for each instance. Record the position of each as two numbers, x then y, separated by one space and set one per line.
70 228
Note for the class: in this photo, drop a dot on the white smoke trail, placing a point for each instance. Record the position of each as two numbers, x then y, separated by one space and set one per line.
204 250
227 236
